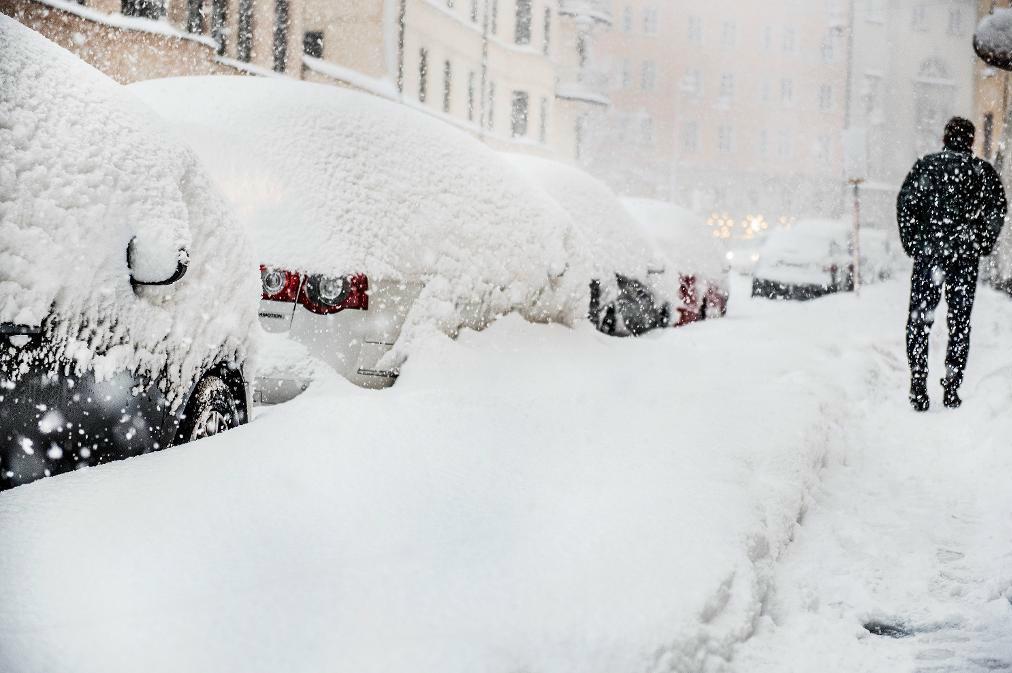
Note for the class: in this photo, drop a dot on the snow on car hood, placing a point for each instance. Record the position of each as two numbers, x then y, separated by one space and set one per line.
605 228
336 181
680 236
86 169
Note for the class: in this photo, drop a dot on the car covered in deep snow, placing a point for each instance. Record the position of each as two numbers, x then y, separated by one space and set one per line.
373 222
125 318
808 259
697 267
628 293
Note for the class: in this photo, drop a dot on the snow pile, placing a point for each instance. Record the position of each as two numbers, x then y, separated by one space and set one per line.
804 252
525 499
681 236
330 180
86 170
604 226
993 39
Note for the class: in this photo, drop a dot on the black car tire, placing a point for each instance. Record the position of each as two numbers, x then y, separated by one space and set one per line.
211 410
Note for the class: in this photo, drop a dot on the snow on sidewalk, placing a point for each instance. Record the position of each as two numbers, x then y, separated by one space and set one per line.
911 532
530 498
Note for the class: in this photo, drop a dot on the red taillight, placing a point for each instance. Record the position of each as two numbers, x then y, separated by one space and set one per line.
279 284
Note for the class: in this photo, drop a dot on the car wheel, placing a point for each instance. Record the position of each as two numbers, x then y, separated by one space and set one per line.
211 410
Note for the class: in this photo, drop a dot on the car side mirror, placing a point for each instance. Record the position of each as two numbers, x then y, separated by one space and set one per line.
150 267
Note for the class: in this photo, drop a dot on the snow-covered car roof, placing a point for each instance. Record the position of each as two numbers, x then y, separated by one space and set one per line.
608 232
680 235
85 169
336 181
806 247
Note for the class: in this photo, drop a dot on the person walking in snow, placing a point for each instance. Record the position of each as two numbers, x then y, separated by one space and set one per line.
950 211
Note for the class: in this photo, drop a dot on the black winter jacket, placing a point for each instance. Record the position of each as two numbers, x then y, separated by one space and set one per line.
951 206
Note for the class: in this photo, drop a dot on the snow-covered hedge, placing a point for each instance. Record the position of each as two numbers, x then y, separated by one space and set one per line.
85 169
993 39
680 236
336 181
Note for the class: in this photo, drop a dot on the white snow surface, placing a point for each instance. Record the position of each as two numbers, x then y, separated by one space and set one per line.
86 169
522 500
330 180
680 236
605 228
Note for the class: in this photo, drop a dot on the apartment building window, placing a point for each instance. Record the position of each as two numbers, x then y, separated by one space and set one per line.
790 41
919 18
244 40
219 24
423 74
786 91
546 44
471 78
955 21
525 16
519 113
763 145
725 139
828 49
690 137
822 147
627 19
728 34
626 74
875 11
692 84
149 9
474 11
764 91
649 76
543 122
726 86
447 85
493 19
194 16
785 145
650 21
767 38
695 30
491 106
647 131
312 43
825 97
280 34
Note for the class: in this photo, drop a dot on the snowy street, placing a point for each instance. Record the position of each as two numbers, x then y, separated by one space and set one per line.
537 498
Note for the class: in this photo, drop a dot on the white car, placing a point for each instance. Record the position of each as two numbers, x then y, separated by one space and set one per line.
629 294
373 223
809 259
697 268
125 311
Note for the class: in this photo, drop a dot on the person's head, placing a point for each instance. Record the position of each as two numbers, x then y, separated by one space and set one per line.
959 134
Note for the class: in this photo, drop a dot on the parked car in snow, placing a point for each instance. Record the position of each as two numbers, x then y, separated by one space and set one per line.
125 318
628 281
697 268
809 259
373 222
881 255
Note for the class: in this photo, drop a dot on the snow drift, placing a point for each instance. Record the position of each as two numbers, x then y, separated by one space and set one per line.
330 180
86 169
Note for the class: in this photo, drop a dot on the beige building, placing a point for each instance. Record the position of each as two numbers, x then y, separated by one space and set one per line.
516 73
734 109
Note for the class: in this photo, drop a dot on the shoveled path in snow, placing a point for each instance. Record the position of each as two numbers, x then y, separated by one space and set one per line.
910 531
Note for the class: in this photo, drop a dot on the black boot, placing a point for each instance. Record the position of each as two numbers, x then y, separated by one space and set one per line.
950 398
919 394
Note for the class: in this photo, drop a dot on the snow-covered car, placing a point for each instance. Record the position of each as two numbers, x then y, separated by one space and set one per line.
125 318
372 222
697 267
809 259
881 255
628 277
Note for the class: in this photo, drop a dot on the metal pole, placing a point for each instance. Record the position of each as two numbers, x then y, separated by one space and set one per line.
857 238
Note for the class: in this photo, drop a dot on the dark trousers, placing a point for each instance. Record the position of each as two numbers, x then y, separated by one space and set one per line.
959 278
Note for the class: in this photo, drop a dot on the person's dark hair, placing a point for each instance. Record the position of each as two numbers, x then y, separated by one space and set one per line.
959 134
